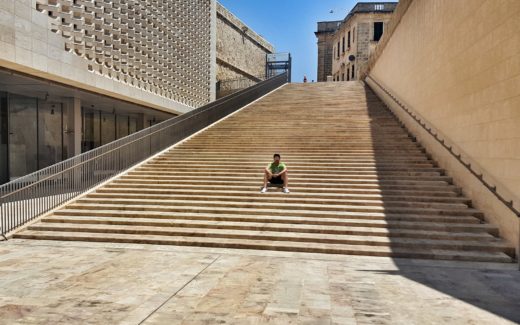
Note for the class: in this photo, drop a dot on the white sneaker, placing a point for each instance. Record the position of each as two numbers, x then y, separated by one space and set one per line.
286 190
263 190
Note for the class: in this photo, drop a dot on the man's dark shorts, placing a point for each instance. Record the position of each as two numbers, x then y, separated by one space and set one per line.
276 180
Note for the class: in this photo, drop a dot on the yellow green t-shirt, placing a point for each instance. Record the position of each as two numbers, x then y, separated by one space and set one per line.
275 169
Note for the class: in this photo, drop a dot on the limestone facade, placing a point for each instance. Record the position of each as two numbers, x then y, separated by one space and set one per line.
241 52
462 77
153 53
325 36
357 37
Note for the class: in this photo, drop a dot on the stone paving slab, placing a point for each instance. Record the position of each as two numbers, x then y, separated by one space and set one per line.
96 283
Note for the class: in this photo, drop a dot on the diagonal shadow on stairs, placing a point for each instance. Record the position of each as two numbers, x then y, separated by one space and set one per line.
422 204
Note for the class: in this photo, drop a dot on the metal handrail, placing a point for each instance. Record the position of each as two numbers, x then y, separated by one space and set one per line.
28 197
480 176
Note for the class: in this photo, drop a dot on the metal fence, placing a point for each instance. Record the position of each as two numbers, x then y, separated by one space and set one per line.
26 198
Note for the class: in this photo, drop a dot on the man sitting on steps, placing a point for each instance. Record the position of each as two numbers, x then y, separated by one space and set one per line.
276 173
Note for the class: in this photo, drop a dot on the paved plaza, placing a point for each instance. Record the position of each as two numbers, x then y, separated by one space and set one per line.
88 283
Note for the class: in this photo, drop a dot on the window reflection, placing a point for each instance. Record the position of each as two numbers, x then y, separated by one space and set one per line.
23 157
108 128
91 129
50 135
4 176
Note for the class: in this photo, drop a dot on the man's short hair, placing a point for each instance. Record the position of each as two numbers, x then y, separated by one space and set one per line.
276 155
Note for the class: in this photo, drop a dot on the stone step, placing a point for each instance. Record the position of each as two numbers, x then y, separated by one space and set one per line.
181 209
299 168
288 161
303 166
330 178
298 182
172 170
444 191
415 243
322 197
390 156
394 221
404 202
361 250
447 209
266 226
299 152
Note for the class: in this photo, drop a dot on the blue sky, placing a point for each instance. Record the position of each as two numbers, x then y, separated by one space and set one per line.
290 25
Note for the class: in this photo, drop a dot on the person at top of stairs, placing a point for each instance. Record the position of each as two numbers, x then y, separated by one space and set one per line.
276 174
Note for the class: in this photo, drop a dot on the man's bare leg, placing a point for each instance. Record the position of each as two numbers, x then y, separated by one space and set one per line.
285 179
267 177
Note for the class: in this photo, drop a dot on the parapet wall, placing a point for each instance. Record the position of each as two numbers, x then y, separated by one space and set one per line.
241 52
457 65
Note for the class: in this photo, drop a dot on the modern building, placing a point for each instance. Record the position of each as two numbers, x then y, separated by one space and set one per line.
353 40
77 74
325 35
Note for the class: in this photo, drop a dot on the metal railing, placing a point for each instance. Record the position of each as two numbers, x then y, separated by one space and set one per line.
28 197
480 176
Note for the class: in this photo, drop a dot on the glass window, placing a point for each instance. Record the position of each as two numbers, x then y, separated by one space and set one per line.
378 31
23 151
108 128
122 126
4 170
50 134
132 126
91 129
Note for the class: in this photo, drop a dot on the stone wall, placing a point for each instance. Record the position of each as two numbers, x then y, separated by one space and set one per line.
361 27
153 53
241 53
457 65
325 36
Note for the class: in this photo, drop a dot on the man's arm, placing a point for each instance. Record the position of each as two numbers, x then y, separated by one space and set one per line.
282 172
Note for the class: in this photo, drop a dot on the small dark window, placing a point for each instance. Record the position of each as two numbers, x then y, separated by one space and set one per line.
338 49
343 44
348 39
378 31
348 74
353 69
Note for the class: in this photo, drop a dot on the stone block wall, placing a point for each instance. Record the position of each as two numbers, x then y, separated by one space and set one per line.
457 65
241 53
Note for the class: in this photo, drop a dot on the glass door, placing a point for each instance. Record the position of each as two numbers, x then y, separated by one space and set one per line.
23 139
50 134
91 129
4 135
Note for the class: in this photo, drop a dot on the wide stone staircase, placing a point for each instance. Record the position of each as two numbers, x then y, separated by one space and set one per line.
359 185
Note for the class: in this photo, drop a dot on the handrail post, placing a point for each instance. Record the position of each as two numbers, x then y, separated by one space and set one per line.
2 231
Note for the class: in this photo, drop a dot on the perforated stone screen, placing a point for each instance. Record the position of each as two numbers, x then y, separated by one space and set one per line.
160 46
